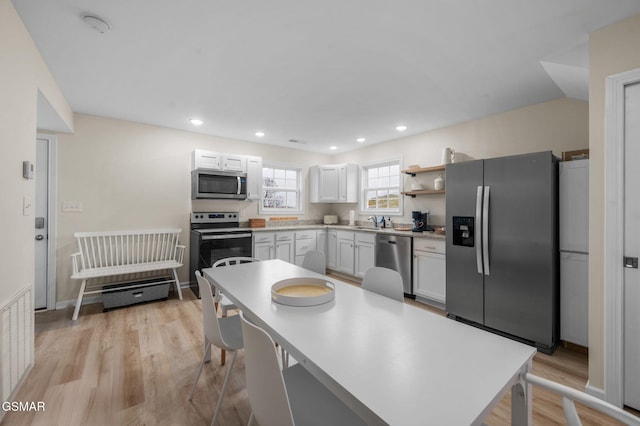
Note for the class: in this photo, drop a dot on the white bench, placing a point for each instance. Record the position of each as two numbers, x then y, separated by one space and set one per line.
105 254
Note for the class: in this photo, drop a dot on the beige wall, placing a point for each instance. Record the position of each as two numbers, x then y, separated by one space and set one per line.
613 49
136 176
559 125
23 73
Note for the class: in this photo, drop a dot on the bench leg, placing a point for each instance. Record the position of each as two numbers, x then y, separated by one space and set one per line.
178 289
76 311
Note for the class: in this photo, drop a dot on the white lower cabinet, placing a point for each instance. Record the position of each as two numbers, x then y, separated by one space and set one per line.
264 245
429 276
285 246
365 255
332 249
305 241
345 252
574 298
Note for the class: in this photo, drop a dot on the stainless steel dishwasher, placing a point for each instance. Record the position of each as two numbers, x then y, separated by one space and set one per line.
395 252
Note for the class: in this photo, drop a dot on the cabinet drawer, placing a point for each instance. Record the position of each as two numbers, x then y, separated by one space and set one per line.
305 235
262 237
428 244
366 237
284 236
345 235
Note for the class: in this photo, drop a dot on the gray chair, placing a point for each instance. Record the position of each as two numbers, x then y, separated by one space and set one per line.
314 260
224 333
220 300
290 396
384 281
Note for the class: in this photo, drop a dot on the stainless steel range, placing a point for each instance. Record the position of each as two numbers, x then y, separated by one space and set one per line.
214 236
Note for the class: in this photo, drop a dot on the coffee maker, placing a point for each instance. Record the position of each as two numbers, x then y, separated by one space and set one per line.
420 221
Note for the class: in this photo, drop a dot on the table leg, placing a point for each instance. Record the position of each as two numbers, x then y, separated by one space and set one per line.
521 402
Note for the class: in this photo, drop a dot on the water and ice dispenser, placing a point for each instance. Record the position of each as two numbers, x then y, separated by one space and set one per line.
463 231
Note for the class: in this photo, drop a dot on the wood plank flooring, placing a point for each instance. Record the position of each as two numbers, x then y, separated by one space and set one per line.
135 366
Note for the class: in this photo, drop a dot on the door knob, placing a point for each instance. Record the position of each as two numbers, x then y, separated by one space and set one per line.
39 237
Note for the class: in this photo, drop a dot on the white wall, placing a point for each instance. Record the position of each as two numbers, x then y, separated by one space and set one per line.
23 74
136 176
559 125
613 49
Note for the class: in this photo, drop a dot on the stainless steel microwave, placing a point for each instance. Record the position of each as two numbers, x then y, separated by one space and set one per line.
218 184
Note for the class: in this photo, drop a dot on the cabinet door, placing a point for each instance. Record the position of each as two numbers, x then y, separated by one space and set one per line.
574 298
329 180
284 250
202 159
321 242
429 275
365 257
263 251
345 256
573 195
234 163
254 177
332 249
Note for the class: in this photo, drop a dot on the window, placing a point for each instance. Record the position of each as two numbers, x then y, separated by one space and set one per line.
281 190
381 188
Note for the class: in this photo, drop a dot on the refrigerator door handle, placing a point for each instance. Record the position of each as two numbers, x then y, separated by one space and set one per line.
477 231
485 230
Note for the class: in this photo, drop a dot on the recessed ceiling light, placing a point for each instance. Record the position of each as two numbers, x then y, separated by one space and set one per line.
260 134
196 122
333 148
360 140
401 128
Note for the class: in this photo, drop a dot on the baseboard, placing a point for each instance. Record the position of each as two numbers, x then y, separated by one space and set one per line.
594 391
87 300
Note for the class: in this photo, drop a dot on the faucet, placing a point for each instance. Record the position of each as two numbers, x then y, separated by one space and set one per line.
375 220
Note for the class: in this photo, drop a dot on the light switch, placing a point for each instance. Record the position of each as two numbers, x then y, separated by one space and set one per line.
72 206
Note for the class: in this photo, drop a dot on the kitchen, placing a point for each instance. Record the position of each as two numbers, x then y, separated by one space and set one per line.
112 182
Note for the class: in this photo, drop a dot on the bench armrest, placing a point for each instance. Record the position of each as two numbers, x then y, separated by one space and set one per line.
76 261
180 253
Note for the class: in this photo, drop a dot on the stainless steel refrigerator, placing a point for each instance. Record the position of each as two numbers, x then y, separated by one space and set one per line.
502 246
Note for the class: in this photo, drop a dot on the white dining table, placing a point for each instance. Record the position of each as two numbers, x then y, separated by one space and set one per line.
391 362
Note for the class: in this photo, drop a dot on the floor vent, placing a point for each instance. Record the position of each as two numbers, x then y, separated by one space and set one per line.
16 341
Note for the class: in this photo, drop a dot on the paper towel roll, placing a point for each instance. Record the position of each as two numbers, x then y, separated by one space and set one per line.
352 217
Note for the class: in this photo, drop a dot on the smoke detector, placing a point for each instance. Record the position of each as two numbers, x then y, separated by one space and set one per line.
97 24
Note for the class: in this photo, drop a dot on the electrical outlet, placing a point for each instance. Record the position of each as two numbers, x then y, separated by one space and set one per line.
72 206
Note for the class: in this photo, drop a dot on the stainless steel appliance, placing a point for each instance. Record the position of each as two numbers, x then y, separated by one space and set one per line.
395 252
502 246
214 236
217 184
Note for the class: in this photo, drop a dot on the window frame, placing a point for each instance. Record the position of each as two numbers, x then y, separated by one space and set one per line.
299 190
364 170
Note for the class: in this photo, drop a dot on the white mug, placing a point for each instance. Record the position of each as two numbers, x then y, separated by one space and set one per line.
446 155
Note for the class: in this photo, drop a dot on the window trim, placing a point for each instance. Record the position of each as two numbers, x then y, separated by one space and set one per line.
364 167
298 190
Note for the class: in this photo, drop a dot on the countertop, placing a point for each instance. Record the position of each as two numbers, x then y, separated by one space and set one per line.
389 231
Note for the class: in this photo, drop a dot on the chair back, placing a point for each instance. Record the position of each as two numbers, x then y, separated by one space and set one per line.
209 317
265 384
384 281
314 260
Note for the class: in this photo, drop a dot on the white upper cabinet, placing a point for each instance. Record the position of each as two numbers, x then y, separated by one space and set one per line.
202 159
574 206
254 177
333 183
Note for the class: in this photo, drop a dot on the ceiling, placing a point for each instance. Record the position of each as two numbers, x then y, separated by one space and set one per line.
324 73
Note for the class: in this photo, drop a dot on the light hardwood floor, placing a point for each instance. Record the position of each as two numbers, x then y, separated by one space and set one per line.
135 366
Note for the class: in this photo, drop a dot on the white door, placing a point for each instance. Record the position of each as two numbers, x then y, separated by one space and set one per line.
41 223
632 247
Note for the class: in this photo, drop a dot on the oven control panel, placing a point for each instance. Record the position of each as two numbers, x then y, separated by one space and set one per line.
214 217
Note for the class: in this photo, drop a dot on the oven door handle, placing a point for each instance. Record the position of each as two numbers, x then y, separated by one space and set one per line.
225 237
